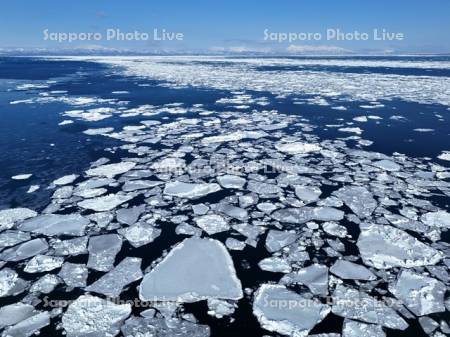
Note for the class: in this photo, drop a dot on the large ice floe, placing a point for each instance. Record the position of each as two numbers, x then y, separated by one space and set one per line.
194 270
235 216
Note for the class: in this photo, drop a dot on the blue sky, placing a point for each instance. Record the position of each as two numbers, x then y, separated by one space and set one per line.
230 25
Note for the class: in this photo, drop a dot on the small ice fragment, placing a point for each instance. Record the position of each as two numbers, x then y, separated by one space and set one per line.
105 203
74 275
285 312
103 250
111 170
42 263
25 250
92 316
347 270
212 223
190 190
112 284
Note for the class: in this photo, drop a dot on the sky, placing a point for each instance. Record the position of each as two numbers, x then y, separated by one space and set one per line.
230 26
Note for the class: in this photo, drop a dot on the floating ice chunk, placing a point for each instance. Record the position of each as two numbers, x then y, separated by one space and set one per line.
361 119
66 122
305 214
190 190
90 316
308 194
65 180
33 188
353 304
11 283
297 148
41 263
283 311
134 185
212 223
358 199
231 181
347 270
385 247
421 294
231 211
315 277
14 313
387 165
263 188
90 193
235 136
111 170
46 284
99 131
8 217
56 224
140 234
112 284
152 326
437 219
21 176
196 269
356 130
429 325
25 250
334 229
278 239
129 216
220 308
234 244
445 155
358 329
74 275
200 209
168 165
12 238
29 326
105 203
75 246
275 264
103 250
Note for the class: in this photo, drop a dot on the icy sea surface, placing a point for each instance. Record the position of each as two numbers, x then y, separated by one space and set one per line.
212 196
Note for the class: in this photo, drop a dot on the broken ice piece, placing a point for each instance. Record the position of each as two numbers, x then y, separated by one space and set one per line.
140 234
25 250
56 224
105 203
354 304
231 181
190 190
112 284
90 316
111 170
358 199
285 312
11 283
29 326
196 269
275 264
41 263
8 217
220 308
74 275
347 270
14 313
315 277
212 223
358 329
421 294
103 250
46 284
385 247
278 239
